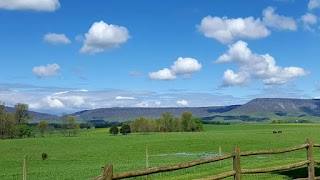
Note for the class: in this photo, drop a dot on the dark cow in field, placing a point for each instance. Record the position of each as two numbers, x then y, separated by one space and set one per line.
277 132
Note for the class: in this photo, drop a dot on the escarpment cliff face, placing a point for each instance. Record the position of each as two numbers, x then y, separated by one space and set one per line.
280 107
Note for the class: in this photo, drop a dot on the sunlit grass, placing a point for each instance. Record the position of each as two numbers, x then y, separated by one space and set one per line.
83 157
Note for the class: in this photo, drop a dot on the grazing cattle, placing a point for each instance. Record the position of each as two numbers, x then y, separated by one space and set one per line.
280 132
274 132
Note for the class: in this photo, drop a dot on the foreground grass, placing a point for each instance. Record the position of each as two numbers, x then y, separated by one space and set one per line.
83 157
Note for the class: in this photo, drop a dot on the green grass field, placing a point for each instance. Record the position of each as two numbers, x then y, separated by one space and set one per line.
83 157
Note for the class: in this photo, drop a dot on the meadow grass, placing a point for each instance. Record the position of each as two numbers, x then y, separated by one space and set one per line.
83 156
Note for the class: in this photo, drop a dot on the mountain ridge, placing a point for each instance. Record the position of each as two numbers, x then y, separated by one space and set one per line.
259 109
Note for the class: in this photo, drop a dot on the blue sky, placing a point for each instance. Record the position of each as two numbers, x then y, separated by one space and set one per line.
64 56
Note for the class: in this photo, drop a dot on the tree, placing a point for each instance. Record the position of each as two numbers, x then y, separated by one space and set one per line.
125 129
21 131
8 123
72 125
114 130
42 126
168 119
186 121
2 121
22 113
196 124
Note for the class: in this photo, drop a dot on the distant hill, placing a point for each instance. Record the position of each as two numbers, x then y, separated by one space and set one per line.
125 114
261 109
258 110
280 107
36 116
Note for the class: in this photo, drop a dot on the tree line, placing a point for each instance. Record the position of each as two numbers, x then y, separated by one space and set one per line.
167 123
15 124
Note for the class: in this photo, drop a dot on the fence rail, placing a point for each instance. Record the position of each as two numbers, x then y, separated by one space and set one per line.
236 172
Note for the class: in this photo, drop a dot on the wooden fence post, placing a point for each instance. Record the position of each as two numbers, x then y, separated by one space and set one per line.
236 163
147 161
310 158
24 170
108 172
220 153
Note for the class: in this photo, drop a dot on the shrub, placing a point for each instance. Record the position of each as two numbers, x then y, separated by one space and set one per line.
44 156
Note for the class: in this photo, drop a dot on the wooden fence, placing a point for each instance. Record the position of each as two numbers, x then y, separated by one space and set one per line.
236 172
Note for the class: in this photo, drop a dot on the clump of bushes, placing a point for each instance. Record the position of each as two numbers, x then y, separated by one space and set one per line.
44 156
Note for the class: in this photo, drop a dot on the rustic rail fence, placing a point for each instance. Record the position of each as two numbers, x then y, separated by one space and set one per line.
236 172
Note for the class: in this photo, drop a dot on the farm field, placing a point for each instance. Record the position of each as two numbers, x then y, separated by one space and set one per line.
83 157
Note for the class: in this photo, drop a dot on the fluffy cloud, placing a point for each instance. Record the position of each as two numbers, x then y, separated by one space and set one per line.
271 19
227 30
309 18
186 66
54 38
314 4
232 79
183 66
46 71
256 66
37 5
102 36
182 103
53 102
124 98
164 74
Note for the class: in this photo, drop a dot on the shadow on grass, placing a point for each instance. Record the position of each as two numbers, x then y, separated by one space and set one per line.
301 172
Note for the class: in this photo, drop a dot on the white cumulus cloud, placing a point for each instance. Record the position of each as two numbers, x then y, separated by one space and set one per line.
164 74
36 5
256 66
46 71
314 4
226 30
271 19
54 38
182 66
182 103
235 79
102 36
53 102
186 66
124 98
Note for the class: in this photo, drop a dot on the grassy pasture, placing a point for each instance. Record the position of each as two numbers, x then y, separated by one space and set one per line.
83 157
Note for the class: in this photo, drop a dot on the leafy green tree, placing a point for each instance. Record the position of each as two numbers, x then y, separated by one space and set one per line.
143 124
22 131
196 124
72 125
186 121
2 121
7 122
125 129
22 113
114 130
168 119
43 127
